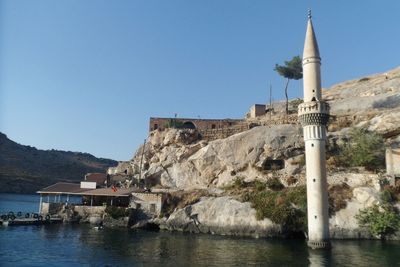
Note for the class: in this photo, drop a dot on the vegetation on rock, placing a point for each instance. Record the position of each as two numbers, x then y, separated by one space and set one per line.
364 148
275 184
181 199
287 207
117 212
381 220
338 197
284 206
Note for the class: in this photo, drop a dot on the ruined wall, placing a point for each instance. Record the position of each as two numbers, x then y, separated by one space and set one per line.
393 163
200 124
150 203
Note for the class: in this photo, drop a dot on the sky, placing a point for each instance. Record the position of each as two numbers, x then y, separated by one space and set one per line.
87 75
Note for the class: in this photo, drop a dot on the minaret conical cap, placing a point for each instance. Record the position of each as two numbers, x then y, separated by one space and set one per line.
310 44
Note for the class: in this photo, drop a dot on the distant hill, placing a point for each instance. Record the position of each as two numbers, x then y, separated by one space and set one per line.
25 169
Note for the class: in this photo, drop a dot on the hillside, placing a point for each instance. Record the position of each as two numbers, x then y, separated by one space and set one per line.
230 175
25 169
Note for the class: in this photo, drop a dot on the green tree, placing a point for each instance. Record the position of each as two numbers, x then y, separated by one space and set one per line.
292 70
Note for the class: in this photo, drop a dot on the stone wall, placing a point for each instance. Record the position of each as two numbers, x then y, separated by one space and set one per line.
199 124
393 164
150 203
51 208
214 134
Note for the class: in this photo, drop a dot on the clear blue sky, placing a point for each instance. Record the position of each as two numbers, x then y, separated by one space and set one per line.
87 75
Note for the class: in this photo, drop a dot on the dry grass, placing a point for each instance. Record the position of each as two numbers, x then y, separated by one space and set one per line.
181 199
338 197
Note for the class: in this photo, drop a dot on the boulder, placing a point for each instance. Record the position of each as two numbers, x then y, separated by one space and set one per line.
223 216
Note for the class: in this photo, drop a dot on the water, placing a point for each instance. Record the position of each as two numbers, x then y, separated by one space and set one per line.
81 245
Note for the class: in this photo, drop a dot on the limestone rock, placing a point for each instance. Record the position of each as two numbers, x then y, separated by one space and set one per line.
343 225
176 160
221 215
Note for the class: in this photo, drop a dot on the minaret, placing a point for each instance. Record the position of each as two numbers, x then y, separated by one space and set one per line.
314 116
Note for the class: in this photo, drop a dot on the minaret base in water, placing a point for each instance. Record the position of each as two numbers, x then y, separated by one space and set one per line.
314 116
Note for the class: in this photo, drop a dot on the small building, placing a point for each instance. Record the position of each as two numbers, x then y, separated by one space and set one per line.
55 197
393 164
257 110
150 203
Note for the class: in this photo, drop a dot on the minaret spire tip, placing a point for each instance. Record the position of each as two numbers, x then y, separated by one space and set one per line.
309 13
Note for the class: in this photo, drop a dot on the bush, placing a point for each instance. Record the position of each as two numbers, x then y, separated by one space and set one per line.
391 193
179 200
259 186
239 182
386 196
275 184
338 196
382 221
117 212
363 149
287 207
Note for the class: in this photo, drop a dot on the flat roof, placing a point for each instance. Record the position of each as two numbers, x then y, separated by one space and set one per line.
62 188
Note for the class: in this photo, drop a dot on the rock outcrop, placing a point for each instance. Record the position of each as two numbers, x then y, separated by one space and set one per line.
221 215
179 159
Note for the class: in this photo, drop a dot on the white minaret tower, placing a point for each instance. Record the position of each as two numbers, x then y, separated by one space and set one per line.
314 116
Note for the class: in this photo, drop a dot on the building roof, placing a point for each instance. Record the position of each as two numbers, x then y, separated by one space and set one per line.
99 178
74 189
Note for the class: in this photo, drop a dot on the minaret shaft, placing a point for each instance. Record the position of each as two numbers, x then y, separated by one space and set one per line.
312 81
314 116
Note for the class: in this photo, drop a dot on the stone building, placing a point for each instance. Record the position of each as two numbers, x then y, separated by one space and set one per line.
393 164
148 202
190 123
256 110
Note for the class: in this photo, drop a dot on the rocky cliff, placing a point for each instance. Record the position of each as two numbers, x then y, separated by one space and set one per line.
179 159
25 169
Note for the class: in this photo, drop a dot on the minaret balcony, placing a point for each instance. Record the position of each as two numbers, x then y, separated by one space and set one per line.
314 113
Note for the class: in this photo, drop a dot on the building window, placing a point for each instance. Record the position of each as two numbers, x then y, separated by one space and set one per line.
155 126
212 126
153 208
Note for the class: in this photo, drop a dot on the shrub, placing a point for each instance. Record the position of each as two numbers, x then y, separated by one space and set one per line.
338 196
287 207
382 221
259 186
363 149
275 184
179 200
239 182
386 196
117 212
391 192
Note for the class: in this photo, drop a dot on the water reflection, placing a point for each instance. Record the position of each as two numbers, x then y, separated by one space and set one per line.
81 245
320 258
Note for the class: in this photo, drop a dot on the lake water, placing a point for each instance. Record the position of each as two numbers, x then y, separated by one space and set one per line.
81 245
